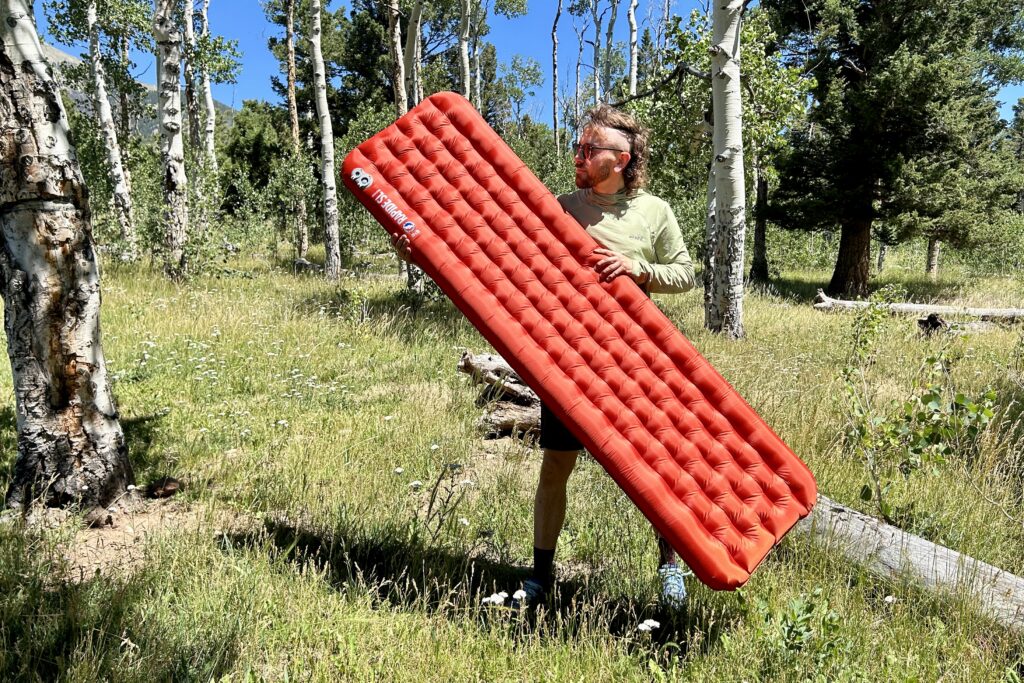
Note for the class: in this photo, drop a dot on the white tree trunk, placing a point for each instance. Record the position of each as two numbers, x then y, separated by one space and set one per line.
633 56
302 229
576 105
411 63
118 177
710 240
210 111
609 45
395 46
332 267
597 50
725 312
554 77
191 101
71 449
933 257
464 74
172 148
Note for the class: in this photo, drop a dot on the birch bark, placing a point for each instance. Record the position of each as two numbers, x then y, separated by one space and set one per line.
724 311
71 449
118 177
464 74
598 18
302 229
609 44
411 62
633 52
172 148
191 102
332 267
554 77
933 257
210 125
395 47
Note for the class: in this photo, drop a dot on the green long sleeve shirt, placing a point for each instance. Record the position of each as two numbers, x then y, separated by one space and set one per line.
642 228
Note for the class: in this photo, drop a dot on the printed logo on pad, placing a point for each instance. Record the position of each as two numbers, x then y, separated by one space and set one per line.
361 178
396 214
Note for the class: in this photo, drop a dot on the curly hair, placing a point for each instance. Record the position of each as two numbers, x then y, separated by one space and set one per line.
607 116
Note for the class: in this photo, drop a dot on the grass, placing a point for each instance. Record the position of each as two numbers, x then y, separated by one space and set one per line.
293 402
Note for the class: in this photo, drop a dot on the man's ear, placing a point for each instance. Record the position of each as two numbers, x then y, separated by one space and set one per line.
621 165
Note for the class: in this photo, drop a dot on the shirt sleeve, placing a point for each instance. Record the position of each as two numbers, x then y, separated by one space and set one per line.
671 272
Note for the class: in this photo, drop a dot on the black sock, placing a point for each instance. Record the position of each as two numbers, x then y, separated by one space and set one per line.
666 555
544 566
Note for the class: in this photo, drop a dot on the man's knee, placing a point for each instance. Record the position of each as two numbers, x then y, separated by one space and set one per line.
556 467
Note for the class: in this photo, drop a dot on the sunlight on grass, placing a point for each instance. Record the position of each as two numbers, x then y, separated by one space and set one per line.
312 410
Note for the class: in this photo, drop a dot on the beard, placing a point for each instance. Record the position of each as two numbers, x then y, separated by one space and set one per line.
586 179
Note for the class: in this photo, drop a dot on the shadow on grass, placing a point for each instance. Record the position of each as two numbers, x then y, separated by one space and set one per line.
52 628
408 573
139 434
803 288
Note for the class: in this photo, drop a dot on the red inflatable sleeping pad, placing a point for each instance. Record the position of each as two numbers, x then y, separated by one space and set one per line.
711 476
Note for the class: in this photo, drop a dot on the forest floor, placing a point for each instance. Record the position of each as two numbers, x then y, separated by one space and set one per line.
309 422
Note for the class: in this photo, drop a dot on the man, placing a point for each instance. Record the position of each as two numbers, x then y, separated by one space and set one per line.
641 240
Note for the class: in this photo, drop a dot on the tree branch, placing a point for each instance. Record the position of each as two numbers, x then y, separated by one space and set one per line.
674 74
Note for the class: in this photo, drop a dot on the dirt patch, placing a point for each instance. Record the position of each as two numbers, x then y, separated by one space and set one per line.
120 548
117 545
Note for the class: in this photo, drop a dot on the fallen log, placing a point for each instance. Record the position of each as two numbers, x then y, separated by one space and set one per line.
495 372
823 302
934 323
882 549
892 553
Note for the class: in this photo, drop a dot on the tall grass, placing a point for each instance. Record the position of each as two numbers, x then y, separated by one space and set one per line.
309 411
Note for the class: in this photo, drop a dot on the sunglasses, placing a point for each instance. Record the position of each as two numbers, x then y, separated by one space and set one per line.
587 150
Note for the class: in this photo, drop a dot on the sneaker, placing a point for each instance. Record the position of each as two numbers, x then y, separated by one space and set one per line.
530 595
673 586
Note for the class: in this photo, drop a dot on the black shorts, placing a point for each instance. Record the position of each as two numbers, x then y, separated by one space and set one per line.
554 435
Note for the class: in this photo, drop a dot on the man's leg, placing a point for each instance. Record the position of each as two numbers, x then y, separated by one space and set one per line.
549 511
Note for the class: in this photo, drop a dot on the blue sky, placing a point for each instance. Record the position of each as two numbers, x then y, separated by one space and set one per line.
529 36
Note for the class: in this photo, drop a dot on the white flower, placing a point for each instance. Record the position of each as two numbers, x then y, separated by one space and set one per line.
434 446
495 598
389 417
519 595
463 521
415 484
282 423
889 599
648 625
399 470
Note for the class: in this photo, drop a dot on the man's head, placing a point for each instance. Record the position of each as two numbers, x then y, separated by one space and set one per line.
612 151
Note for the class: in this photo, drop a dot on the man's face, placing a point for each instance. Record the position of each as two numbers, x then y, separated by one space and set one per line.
602 163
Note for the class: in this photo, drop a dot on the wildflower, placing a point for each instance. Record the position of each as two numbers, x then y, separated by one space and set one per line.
519 595
415 484
399 470
282 423
495 598
434 446
648 625
463 521
889 599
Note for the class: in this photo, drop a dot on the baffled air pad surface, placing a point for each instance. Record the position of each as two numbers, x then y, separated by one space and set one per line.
691 454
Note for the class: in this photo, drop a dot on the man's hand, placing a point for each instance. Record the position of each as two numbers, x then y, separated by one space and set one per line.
402 247
613 265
